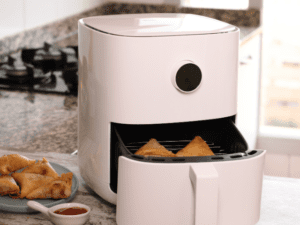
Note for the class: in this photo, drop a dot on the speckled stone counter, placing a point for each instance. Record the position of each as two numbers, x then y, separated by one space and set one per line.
31 122
38 122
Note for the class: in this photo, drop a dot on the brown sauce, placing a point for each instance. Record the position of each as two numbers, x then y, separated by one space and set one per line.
71 211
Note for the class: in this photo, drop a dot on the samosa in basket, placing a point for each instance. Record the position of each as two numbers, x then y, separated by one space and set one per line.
153 148
197 147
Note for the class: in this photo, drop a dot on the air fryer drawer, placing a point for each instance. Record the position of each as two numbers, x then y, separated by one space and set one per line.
221 135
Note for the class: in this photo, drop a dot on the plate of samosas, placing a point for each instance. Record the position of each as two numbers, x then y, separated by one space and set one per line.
23 179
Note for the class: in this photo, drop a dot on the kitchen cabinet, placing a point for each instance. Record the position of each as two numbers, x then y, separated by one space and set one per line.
248 94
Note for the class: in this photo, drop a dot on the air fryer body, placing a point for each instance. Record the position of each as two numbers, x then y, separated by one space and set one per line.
170 77
130 79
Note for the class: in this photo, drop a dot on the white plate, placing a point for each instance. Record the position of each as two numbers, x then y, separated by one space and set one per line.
9 204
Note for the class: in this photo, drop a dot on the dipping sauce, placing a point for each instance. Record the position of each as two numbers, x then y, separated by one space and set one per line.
71 211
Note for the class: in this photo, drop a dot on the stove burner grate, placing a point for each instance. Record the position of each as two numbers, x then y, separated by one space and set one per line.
43 70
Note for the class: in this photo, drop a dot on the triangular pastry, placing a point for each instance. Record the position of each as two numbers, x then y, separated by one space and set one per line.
8 185
153 148
60 187
13 162
42 167
197 147
30 181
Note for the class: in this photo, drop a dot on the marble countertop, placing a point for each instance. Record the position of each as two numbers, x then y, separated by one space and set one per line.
33 122
280 198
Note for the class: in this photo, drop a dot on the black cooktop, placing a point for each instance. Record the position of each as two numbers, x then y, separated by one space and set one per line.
44 70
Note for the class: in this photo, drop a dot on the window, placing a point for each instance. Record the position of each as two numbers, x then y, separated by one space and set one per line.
280 99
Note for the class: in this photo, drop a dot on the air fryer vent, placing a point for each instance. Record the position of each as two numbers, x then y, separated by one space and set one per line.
217 158
252 152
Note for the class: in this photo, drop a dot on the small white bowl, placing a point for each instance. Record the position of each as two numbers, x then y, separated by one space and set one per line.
62 219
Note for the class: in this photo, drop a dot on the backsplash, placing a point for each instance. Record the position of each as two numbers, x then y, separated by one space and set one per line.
62 29
247 18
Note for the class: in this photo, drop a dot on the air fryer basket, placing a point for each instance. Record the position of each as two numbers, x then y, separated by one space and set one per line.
221 135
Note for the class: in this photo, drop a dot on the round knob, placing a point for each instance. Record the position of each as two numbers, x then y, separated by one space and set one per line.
187 77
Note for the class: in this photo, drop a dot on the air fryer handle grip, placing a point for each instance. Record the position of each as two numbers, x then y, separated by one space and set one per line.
204 177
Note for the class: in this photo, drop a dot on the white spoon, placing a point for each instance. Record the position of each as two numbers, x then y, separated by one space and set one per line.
59 219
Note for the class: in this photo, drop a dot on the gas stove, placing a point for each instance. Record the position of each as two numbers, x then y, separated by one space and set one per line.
45 70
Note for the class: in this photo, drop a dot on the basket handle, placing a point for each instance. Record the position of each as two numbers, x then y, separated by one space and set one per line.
204 177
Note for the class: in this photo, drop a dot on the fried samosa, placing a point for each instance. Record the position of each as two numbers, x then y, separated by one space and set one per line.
8 185
30 181
197 147
13 162
42 167
153 148
58 188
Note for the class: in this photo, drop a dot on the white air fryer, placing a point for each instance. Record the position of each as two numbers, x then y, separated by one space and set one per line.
170 77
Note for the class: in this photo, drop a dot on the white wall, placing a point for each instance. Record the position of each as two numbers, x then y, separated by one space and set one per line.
255 4
11 17
20 15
